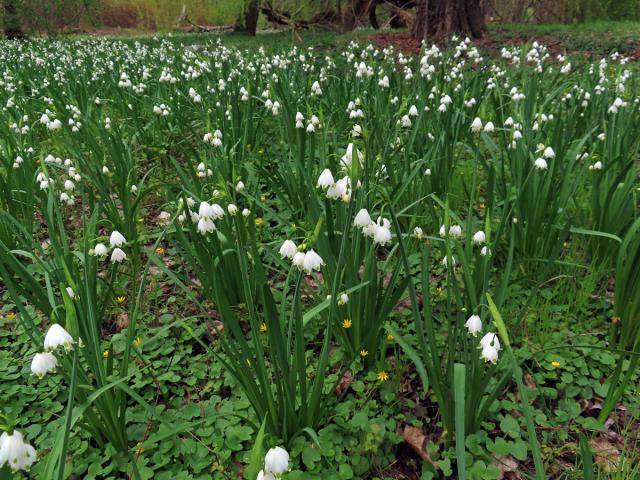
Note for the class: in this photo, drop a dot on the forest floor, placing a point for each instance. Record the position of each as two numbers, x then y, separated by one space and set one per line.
589 40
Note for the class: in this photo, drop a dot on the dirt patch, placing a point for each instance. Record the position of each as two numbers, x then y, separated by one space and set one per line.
581 45
400 41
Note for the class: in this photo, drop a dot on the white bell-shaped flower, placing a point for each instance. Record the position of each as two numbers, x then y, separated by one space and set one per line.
56 337
43 363
474 325
117 239
479 237
15 452
288 249
118 255
276 461
312 261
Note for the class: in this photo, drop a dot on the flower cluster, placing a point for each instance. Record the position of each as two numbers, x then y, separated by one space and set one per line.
308 261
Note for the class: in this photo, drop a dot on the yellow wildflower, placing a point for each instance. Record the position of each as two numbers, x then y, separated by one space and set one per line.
346 323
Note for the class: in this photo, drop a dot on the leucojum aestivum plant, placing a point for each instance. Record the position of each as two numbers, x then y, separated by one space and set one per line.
327 231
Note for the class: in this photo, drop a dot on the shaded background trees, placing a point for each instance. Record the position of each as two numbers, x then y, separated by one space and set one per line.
12 22
436 18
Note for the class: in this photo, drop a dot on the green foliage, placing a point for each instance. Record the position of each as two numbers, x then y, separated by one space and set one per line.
208 344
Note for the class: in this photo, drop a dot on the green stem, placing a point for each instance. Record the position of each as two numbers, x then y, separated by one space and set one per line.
68 419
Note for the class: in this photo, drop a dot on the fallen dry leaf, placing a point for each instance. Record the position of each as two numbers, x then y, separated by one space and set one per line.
416 439
606 455
344 383
528 380
122 321
507 467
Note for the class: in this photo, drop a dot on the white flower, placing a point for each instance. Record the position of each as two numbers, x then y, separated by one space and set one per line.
344 299
288 249
362 219
382 233
205 210
216 211
347 158
100 249
43 363
232 209
246 212
479 237
476 125
57 336
325 180
339 189
489 127
540 164
276 461
298 260
596 166
418 233
15 452
312 261
474 325
206 225
490 339
489 354
265 476
455 230
485 251
549 153
369 230
117 239
118 255
240 186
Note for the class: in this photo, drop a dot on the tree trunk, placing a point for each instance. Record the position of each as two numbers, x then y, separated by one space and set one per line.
12 27
251 17
373 18
355 10
440 18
